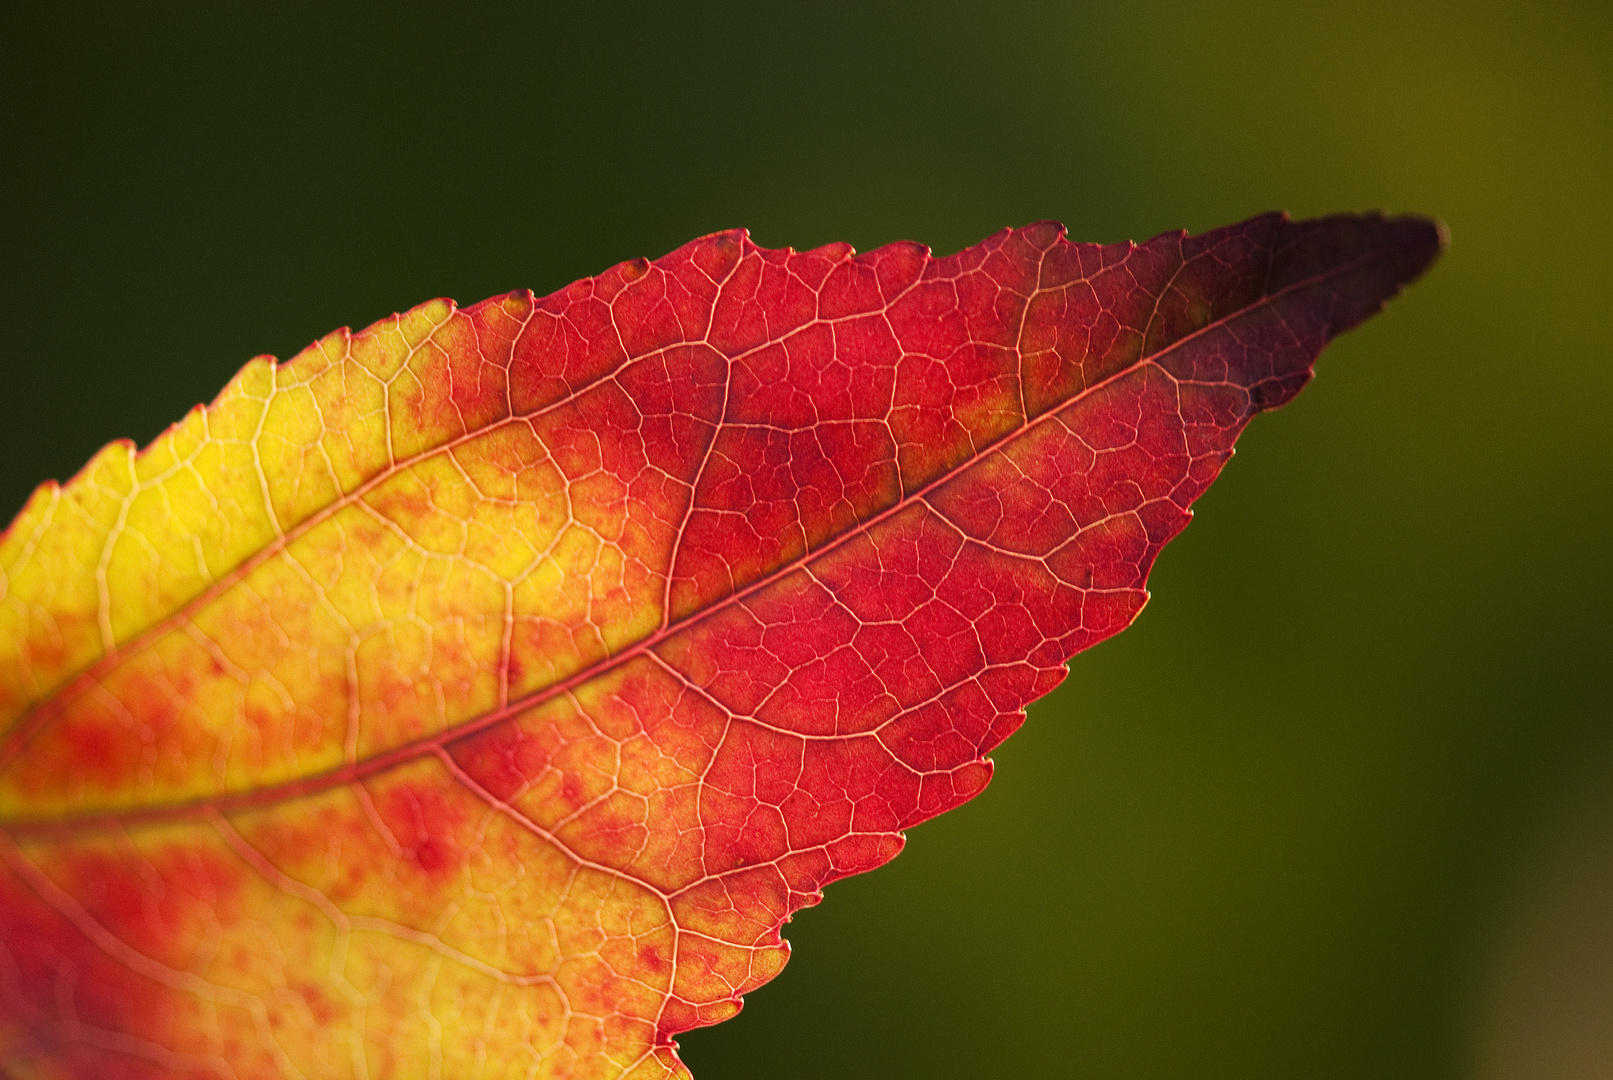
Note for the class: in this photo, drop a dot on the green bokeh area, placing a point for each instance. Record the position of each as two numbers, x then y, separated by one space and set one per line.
1271 830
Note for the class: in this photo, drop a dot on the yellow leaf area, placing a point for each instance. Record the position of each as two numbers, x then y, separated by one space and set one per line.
341 556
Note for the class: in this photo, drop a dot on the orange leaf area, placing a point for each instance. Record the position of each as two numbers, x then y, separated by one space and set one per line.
477 695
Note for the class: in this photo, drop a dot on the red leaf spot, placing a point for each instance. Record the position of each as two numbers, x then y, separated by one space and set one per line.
424 822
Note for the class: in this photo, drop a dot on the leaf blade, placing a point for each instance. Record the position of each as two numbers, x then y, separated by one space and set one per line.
915 487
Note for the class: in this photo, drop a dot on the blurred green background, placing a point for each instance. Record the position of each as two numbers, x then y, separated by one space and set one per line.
1340 804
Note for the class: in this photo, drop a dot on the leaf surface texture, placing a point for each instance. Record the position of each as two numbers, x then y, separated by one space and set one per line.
476 695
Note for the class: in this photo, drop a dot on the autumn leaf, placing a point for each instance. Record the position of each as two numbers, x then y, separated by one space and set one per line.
478 694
